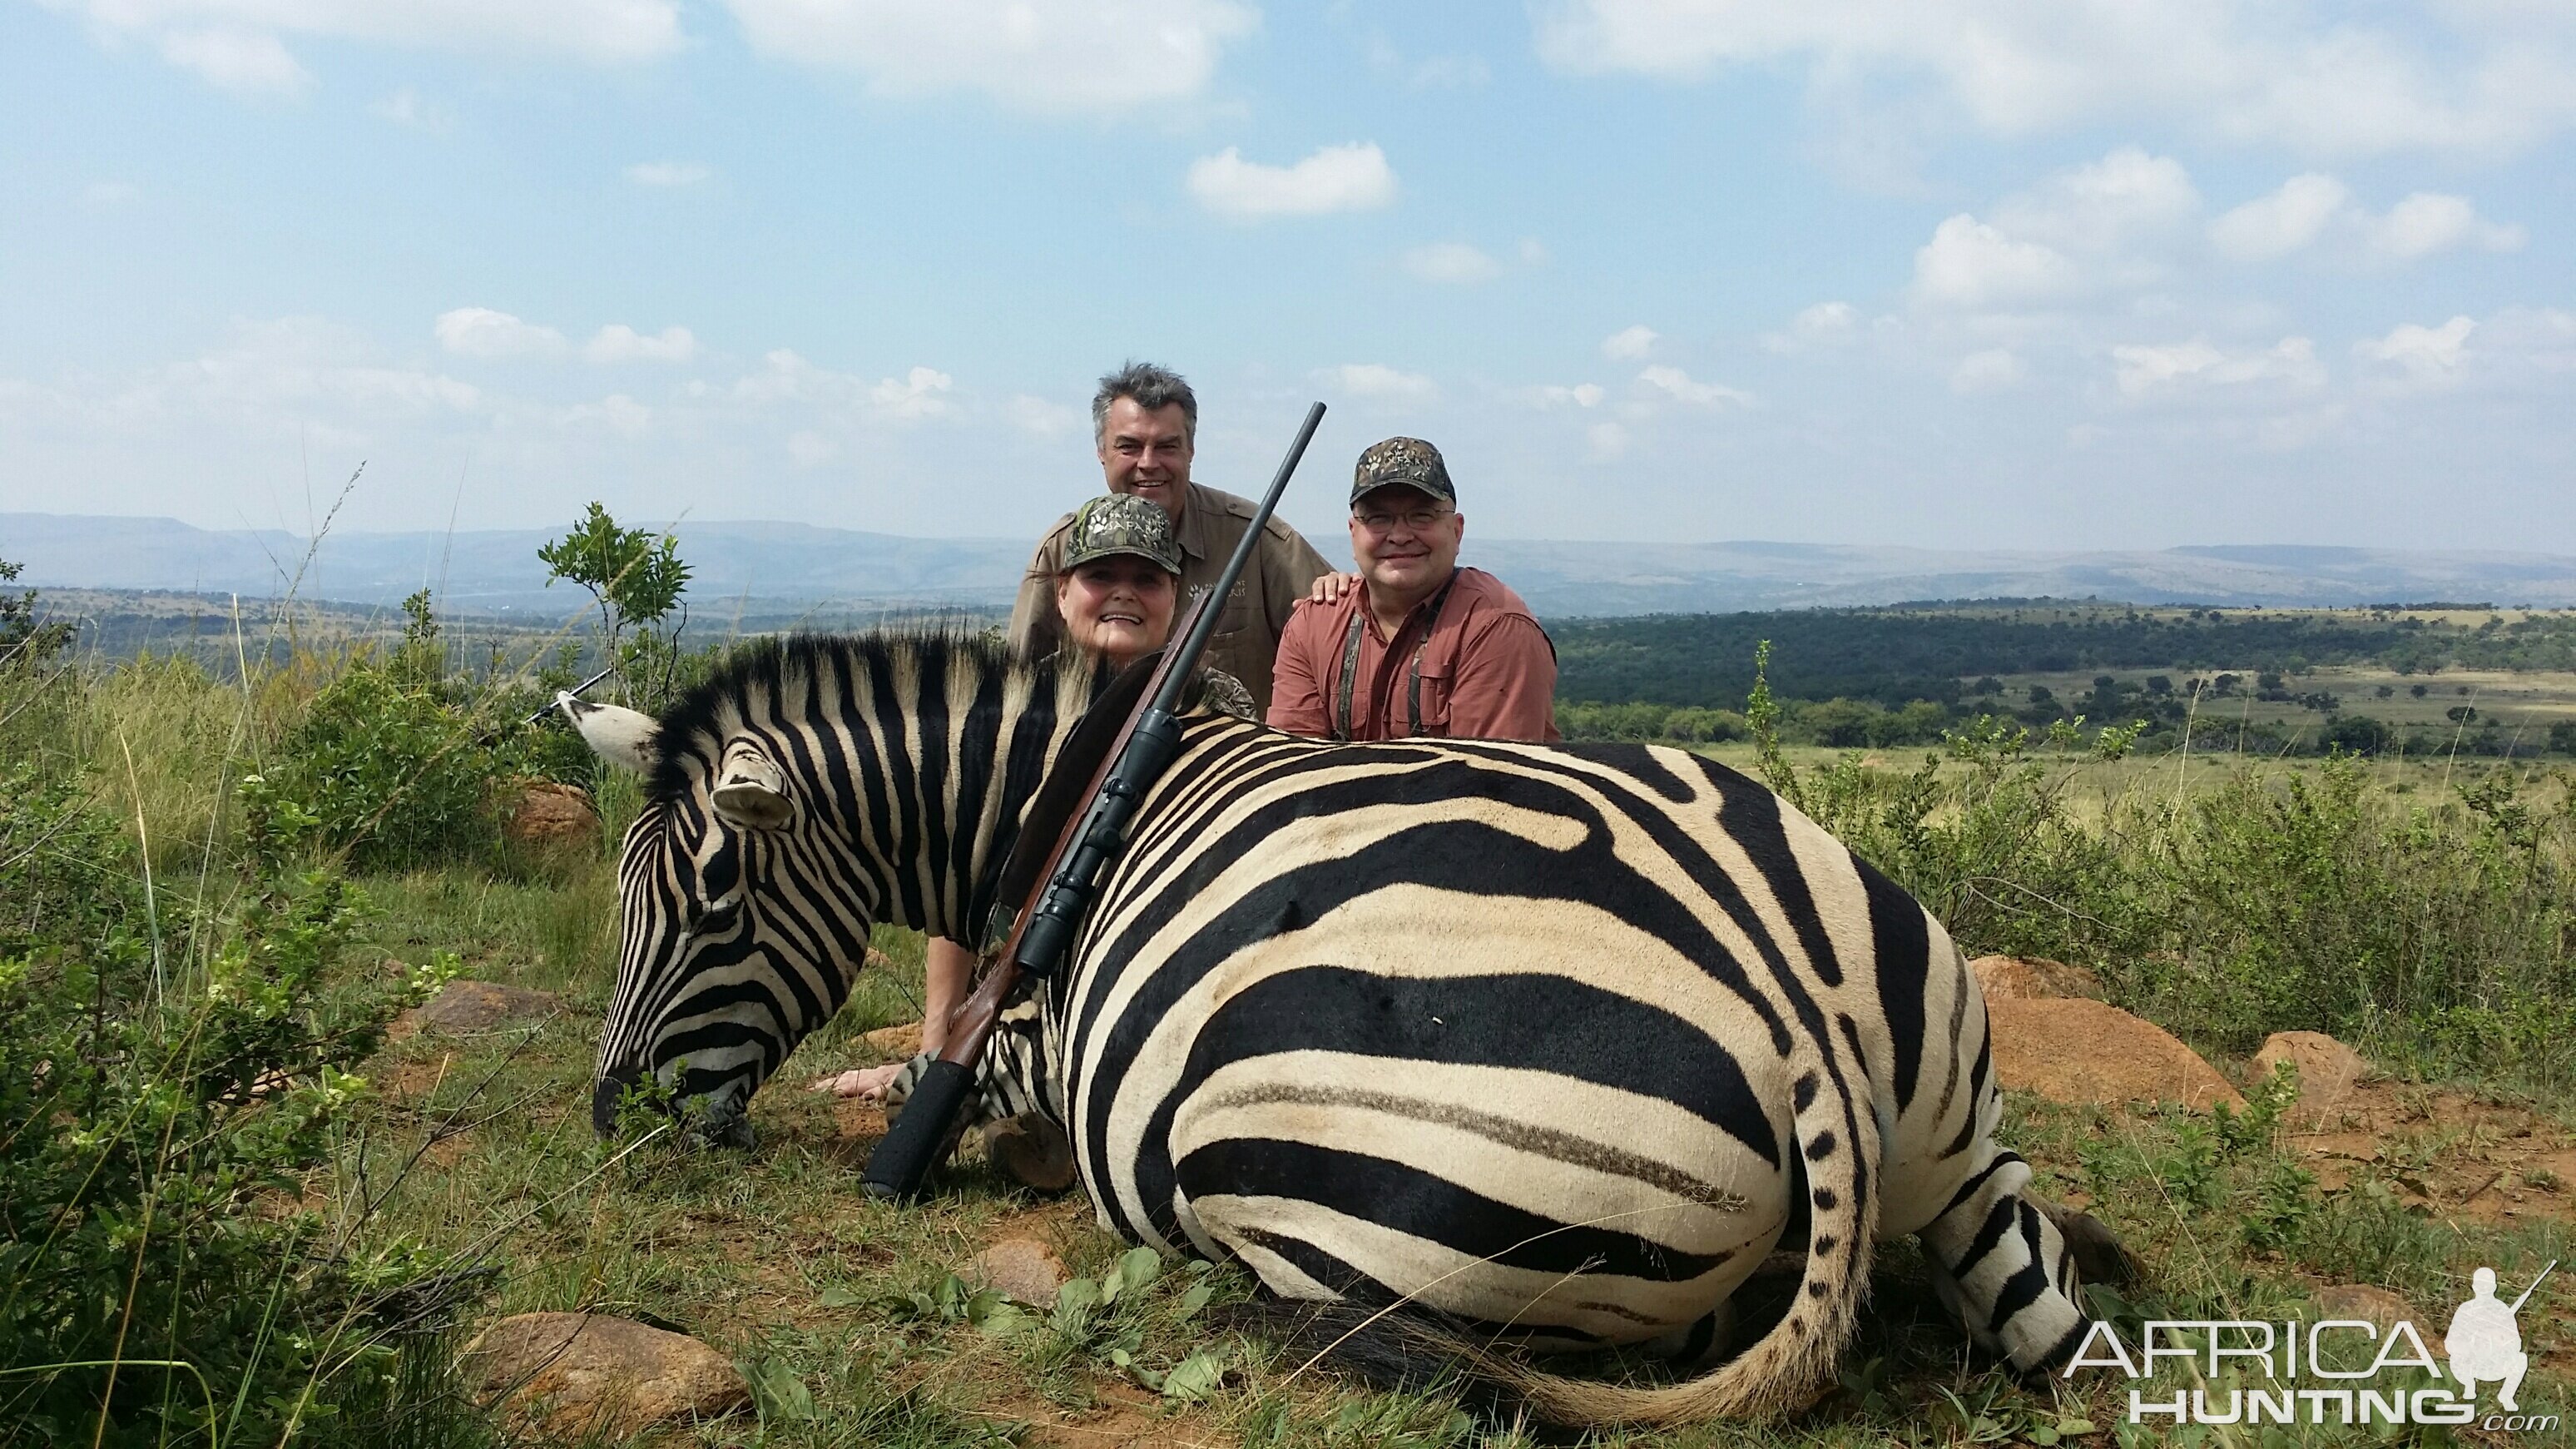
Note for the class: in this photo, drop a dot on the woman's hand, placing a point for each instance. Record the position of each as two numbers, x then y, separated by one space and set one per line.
869 1083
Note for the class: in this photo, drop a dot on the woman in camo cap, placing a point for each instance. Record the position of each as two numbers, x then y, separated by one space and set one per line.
1120 588
1119 591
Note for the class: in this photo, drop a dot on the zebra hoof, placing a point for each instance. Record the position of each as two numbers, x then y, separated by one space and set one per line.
1031 1151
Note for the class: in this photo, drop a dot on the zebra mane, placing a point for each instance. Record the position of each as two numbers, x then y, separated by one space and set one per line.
769 663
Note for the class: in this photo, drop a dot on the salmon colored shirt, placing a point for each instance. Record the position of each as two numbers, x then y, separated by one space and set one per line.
1489 672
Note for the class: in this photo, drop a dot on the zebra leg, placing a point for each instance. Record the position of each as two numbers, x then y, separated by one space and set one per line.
2001 1264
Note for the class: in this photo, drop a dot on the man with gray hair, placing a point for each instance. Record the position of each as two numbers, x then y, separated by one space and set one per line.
1144 423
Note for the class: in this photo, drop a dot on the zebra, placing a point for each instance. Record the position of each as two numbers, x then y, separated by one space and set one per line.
1553 1043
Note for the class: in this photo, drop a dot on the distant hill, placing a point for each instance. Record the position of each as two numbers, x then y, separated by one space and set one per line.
773 569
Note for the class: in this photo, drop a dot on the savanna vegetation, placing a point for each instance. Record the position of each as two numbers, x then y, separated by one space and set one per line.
2433 680
234 1212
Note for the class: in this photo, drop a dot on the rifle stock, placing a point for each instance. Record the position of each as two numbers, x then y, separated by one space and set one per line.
1043 930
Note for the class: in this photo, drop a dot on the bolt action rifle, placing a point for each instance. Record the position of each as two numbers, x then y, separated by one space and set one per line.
1043 931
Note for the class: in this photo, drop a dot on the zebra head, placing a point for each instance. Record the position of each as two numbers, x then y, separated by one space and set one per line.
807 791
723 878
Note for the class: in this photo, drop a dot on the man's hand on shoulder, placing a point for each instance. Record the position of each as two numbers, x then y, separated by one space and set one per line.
1329 588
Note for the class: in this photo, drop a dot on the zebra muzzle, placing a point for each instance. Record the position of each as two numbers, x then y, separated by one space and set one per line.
607 1095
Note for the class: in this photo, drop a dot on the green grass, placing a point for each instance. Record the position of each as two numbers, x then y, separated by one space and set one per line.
779 1259
477 1154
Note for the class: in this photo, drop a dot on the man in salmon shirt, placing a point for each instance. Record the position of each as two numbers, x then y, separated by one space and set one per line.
1422 646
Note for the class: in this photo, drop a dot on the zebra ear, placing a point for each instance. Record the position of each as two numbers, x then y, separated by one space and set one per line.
750 791
616 734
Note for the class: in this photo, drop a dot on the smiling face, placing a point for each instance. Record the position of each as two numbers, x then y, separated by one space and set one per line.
1405 541
1117 607
1147 454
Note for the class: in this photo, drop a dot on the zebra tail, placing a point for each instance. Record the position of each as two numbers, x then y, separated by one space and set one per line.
1784 1371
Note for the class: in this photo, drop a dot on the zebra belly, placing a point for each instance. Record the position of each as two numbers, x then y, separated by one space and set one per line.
1550 1130
1502 1196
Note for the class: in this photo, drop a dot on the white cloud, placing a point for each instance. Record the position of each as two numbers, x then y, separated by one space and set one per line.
618 342
2428 354
1380 383
1453 263
2316 78
1970 264
482 332
2143 371
1606 441
1102 56
1629 343
1826 324
1533 252
1335 178
2110 205
405 107
917 394
2312 208
786 379
111 193
1581 395
807 448
269 380
2285 221
1698 394
1988 371
248 63
2429 222
667 173
240 45
616 412
1043 418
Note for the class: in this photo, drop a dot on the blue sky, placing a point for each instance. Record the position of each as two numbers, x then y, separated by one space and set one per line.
2050 273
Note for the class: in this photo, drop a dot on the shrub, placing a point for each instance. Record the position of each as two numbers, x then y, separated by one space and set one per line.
393 776
163 1081
2273 900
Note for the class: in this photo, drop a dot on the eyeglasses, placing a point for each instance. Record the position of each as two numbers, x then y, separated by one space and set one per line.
1420 520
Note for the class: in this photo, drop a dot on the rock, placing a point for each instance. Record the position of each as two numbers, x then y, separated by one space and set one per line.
587 1375
2028 978
2328 1070
462 1008
2077 1051
1022 1268
2362 1301
549 815
899 1042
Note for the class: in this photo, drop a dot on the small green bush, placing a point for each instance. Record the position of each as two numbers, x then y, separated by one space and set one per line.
164 1082
393 774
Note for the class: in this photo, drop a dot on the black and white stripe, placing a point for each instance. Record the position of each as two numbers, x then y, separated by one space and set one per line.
1559 1042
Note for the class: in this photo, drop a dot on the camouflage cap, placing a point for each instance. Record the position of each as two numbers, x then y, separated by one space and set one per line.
1409 461
1115 523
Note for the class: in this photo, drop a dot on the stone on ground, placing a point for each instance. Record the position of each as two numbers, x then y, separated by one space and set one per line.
2027 978
1021 1268
578 1375
2363 1301
2328 1070
547 814
462 1008
2091 1052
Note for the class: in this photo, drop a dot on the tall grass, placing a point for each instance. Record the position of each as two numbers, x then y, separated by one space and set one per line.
2263 898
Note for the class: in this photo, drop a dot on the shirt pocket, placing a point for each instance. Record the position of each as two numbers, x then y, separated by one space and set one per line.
1234 616
1437 693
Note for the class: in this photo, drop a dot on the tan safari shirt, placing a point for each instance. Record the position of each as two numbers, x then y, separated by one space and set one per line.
1279 573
